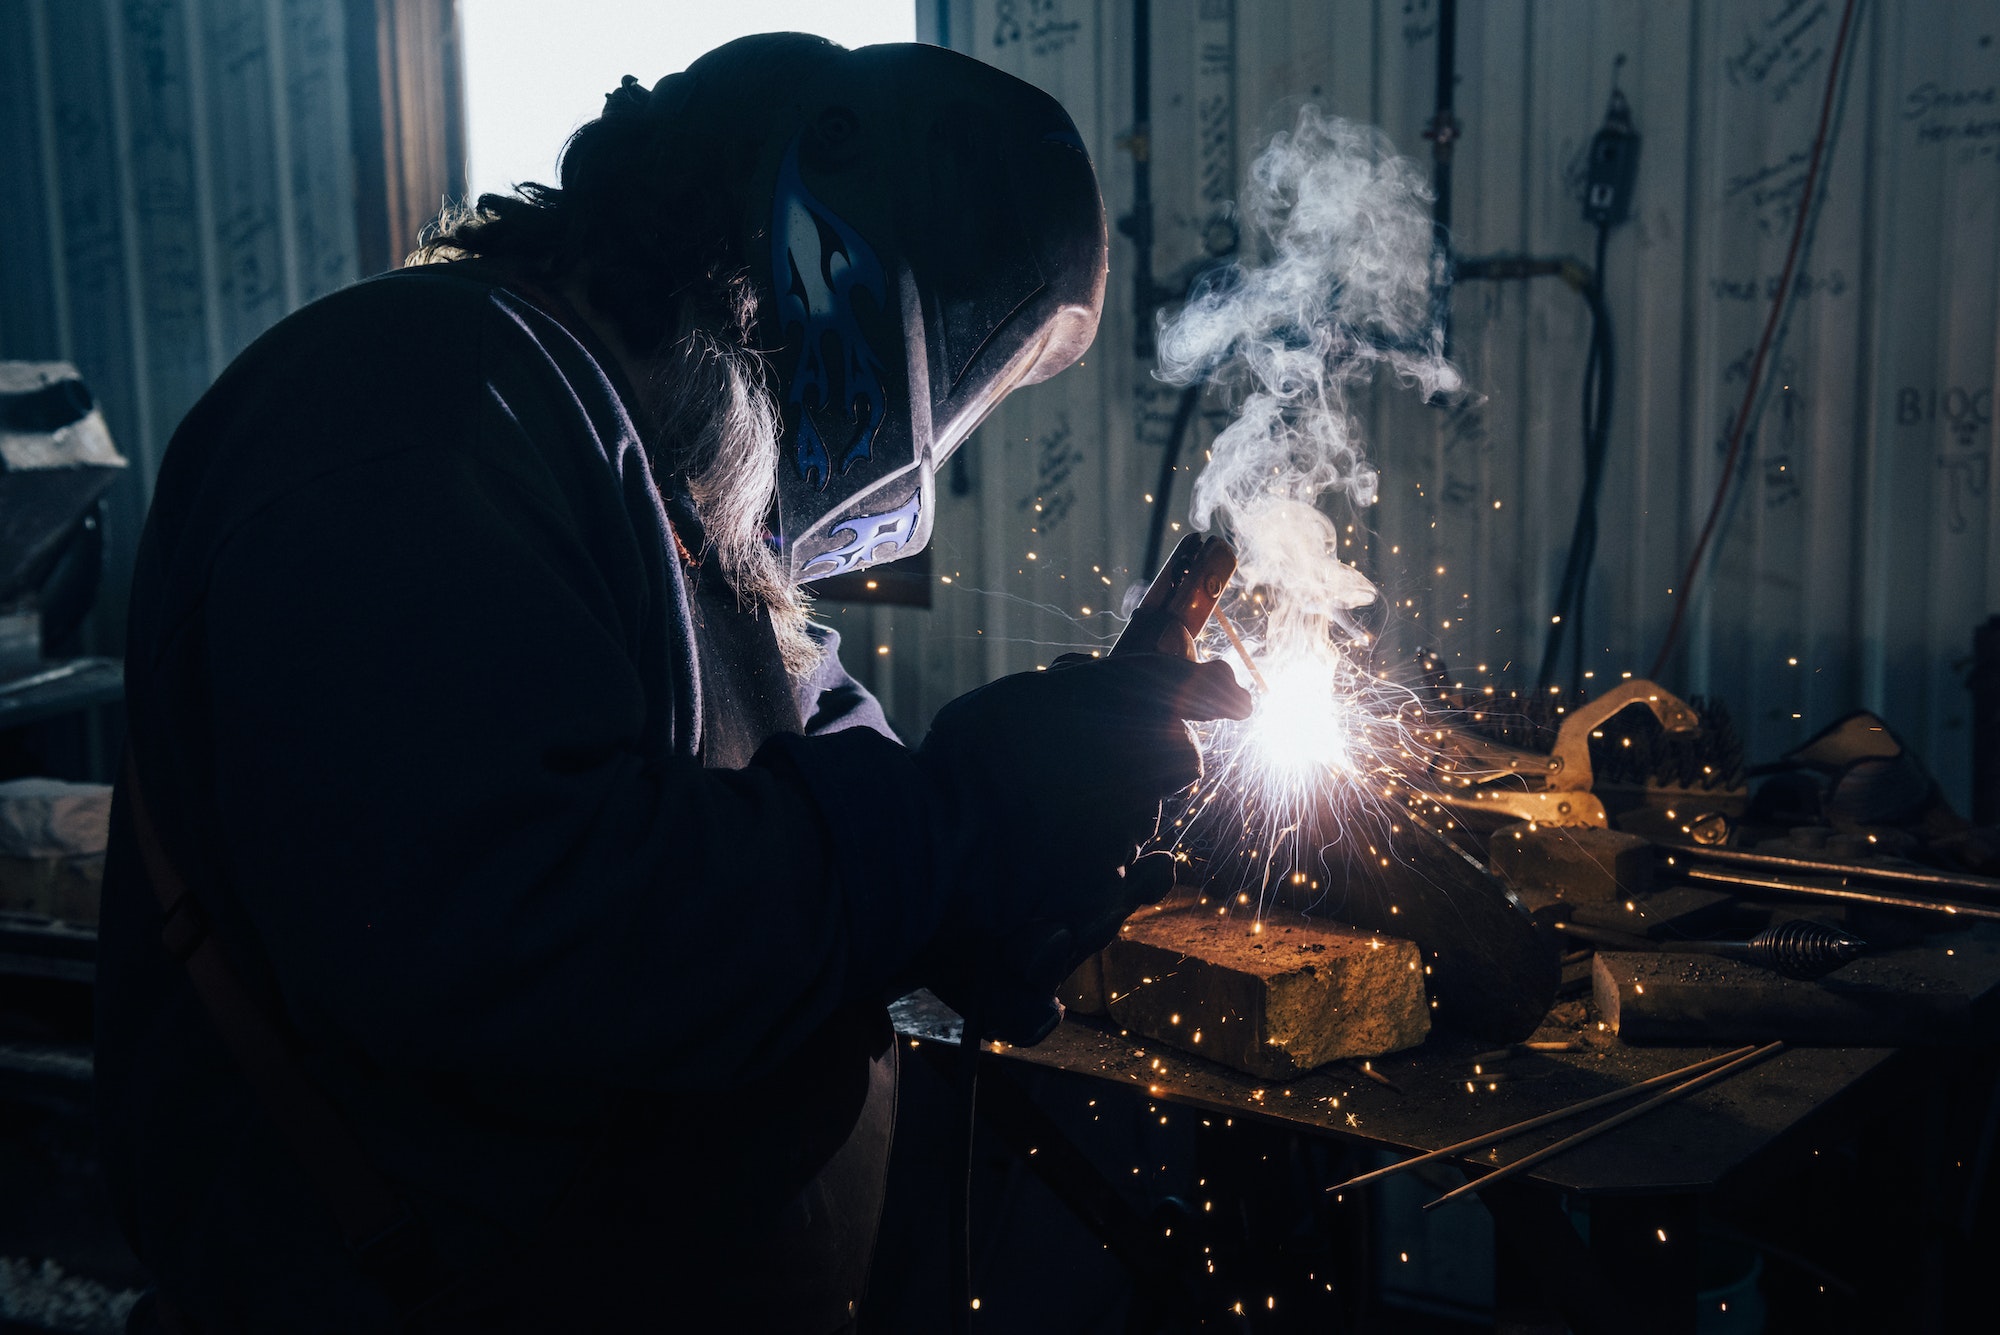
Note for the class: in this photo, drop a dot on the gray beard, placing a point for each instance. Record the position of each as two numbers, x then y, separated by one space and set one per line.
714 429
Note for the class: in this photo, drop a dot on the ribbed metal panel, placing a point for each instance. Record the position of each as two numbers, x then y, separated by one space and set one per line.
1861 540
179 176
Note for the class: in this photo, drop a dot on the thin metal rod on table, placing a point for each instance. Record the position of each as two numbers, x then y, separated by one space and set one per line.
1740 857
1845 894
1612 1122
1533 1123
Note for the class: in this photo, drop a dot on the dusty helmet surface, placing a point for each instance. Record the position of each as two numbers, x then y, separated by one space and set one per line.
926 234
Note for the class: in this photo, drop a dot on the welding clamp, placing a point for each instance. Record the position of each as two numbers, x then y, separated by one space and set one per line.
1475 773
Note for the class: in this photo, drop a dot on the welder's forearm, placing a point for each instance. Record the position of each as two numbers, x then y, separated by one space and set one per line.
699 933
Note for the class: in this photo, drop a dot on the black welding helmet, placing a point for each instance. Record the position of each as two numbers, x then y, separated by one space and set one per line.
925 234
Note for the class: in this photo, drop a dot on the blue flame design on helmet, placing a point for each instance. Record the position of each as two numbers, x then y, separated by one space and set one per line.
871 534
818 263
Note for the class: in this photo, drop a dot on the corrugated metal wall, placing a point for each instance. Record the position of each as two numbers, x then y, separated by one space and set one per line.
1862 540
179 175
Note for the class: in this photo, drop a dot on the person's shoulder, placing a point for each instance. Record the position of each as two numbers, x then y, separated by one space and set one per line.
452 290
406 353
432 310
381 368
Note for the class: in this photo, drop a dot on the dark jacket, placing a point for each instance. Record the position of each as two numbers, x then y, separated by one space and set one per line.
417 684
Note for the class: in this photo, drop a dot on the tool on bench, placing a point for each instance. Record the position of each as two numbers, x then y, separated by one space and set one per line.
1801 948
1477 774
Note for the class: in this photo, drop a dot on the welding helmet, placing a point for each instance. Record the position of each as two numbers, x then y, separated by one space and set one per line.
925 234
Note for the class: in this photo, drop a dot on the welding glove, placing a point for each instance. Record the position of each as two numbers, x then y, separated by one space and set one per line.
1051 782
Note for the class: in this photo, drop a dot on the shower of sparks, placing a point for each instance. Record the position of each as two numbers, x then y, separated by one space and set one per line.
1347 280
1322 760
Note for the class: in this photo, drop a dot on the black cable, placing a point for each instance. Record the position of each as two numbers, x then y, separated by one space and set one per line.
1170 457
1443 134
1138 224
1597 419
1598 381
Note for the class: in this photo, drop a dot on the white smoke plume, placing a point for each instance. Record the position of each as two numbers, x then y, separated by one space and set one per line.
1339 282
1336 283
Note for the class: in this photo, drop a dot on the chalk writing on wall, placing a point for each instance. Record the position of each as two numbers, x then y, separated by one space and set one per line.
1419 23
1964 456
1966 120
1805 284
1778 440
1770 194
1777 55
1037 24
1465 439
1056 458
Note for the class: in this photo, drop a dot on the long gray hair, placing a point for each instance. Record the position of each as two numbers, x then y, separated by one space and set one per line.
718 431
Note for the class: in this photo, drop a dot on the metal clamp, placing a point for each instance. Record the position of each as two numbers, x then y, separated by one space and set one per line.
1562 779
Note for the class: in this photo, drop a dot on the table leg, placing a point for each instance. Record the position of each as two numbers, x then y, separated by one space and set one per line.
1542 1268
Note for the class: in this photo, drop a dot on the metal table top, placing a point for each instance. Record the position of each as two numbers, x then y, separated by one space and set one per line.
1723 1136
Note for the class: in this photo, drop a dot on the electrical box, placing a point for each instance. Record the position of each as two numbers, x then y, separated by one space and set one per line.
1613 166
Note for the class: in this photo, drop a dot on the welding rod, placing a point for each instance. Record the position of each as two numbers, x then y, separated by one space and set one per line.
1596 1129
1242 651
1984 886
1533 1123
1812 890
1368 1070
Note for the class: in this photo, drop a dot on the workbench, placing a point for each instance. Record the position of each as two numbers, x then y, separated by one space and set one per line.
1643 1183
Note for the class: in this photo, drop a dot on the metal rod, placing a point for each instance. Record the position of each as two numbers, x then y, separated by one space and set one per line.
47 675
1591 1132
1978 885
1844 893
1571 1110
1369 1070
1242 651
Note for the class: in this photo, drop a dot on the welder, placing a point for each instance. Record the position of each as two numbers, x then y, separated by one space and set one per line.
506 881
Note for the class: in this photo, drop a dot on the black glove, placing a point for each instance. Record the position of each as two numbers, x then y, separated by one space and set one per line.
1008 990
1050 782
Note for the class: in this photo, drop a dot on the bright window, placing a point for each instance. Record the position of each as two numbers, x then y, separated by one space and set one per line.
534 70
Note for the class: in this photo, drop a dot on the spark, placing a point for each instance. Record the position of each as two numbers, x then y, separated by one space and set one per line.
1325 729
1346 288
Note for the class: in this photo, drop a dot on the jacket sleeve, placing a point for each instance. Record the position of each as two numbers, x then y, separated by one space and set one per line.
449 840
